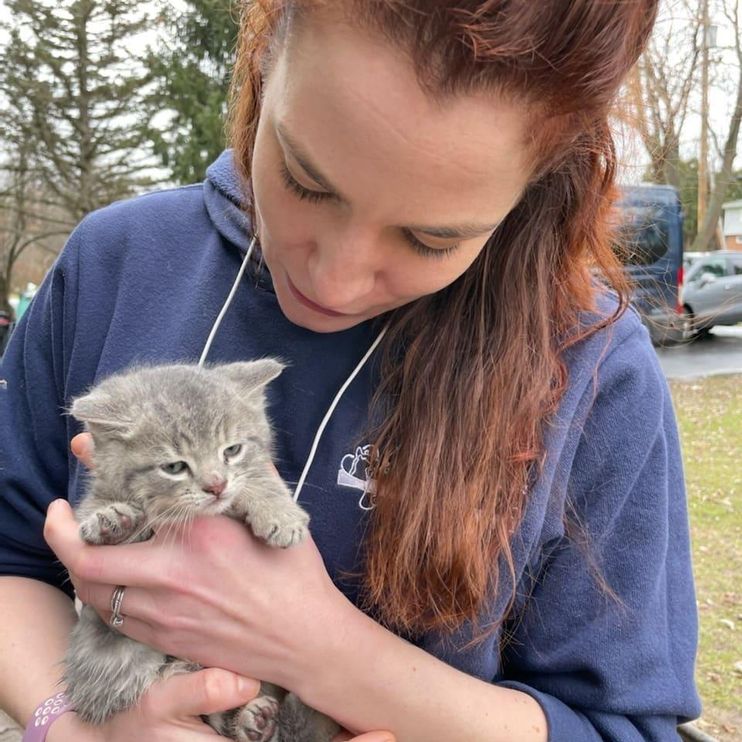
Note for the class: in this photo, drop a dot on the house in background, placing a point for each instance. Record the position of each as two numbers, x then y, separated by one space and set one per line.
733 225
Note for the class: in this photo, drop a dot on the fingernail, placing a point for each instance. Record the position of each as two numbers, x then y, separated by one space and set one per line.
248 685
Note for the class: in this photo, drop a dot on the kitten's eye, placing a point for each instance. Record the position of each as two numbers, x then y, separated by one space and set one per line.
231 451
175 468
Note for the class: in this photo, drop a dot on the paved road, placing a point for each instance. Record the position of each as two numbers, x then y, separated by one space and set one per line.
719 353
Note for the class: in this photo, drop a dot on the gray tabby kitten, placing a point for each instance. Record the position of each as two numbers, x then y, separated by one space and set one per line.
173 442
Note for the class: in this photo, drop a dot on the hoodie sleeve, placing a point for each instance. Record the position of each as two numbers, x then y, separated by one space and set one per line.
34 432
607 640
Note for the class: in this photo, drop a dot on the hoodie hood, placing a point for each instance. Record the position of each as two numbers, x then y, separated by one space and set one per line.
225 197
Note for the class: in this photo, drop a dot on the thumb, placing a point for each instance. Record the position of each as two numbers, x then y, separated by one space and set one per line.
368 737
62 531
82 446
203 692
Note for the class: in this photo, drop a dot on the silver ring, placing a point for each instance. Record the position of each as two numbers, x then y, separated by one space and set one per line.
117 598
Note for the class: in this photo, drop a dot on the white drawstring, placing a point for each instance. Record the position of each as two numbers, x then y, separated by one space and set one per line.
221 314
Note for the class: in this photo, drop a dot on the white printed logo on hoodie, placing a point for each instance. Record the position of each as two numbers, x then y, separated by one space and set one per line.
353 473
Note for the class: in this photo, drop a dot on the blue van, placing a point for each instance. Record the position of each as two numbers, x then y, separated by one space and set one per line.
650 246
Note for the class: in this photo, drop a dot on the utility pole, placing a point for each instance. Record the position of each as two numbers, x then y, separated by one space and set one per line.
703 178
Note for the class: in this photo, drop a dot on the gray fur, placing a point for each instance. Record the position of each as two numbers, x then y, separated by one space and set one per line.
141 420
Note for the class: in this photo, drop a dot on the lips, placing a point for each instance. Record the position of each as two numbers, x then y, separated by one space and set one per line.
310 304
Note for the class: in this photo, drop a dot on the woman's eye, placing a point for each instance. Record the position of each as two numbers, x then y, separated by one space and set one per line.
299 190
175 468
423 249
232 451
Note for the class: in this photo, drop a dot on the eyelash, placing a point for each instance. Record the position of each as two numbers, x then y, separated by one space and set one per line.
298 190
318 196
423 249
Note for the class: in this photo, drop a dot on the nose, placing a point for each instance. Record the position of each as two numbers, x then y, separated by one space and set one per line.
215 486
344 267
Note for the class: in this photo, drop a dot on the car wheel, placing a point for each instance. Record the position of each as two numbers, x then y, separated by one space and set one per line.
691 330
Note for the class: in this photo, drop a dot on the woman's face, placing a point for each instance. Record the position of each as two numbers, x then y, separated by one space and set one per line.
368 194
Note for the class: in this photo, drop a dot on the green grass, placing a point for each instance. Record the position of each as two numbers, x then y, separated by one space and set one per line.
710 418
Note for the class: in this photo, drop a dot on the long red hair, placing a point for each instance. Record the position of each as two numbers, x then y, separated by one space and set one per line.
472 373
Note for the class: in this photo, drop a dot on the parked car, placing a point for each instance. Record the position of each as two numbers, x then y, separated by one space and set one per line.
712 294
650 245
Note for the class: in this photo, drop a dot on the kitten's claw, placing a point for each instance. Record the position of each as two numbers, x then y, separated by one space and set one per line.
256 721
111 524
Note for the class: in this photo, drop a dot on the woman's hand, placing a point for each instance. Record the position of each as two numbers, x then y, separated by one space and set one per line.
211 593
168 712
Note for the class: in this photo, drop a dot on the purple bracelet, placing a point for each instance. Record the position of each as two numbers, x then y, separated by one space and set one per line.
44 716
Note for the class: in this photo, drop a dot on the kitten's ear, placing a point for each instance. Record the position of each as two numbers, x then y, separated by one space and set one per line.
102 414
252 376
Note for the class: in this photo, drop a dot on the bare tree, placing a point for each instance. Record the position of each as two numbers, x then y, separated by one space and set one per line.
726 176
658 90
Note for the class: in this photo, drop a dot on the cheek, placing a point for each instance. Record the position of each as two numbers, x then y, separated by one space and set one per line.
161 493
285 223
417 275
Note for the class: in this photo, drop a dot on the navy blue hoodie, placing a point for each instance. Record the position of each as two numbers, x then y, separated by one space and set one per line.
143 280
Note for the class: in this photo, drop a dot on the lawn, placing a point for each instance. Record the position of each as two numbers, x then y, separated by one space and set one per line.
709 414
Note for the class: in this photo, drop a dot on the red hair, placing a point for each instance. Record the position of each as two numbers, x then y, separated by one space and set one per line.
476 403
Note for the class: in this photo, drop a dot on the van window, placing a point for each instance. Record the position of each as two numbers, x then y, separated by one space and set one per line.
642 235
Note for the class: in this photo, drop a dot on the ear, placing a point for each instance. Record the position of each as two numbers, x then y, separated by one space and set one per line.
103 415
251 376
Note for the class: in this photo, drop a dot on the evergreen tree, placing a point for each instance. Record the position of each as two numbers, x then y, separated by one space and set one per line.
70 89
193 68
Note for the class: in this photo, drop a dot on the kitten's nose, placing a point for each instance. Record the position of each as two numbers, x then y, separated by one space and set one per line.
215 485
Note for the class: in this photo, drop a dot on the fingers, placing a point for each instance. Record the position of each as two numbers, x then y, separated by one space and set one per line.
203 692
124 566
82 446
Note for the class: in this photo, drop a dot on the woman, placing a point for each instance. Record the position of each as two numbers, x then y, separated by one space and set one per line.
500 544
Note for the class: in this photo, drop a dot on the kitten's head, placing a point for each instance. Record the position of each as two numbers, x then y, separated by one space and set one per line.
180 439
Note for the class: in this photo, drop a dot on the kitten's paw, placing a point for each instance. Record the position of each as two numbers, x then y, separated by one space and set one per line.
282 527
257 720
112 524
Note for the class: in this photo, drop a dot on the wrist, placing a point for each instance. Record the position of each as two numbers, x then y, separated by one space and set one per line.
69 727
340 646
45 716
63 728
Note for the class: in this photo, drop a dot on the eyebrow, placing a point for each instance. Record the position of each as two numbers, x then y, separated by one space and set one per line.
459 231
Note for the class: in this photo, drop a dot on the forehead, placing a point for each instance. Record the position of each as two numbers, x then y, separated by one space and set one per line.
354 104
